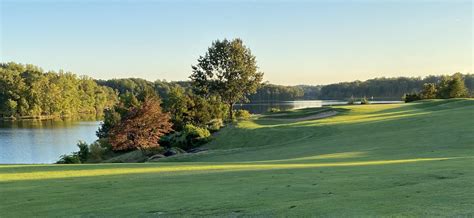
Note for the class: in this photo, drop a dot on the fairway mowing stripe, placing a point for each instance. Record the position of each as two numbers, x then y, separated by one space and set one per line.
40 175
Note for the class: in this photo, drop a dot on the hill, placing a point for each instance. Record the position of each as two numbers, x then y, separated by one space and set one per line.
391 160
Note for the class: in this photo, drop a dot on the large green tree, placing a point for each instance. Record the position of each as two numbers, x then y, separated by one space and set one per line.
457 87
452 87
229 70
429 91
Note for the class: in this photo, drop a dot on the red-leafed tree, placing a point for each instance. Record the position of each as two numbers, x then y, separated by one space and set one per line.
142 127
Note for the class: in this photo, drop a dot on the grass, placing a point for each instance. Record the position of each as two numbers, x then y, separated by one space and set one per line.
294 114
372 160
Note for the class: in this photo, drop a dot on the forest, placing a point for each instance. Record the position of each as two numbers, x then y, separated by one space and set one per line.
378 88
26 91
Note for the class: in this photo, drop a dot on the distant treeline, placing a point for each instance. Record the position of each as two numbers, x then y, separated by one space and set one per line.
28 91
379 88
384 88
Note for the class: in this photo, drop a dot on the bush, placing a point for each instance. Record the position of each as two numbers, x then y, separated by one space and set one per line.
78 157
351 101
69 159
97 152
411 97
215 124
83 153
364 100
273 110
242 114
190 137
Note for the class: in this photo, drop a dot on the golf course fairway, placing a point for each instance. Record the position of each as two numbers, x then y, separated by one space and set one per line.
413 159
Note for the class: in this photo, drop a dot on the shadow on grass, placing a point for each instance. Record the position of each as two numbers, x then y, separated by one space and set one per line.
197 168
293 118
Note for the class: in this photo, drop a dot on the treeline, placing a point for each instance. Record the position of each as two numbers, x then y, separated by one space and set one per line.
379 88
448 87
271 93
28 91
384 88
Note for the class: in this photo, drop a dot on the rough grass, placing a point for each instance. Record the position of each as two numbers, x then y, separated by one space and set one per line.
372 160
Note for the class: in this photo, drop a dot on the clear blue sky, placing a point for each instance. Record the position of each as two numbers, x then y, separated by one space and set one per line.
302 42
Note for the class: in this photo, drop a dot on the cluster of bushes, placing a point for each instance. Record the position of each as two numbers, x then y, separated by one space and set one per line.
87 153
188 138
447 87
363 100
225 75
186 122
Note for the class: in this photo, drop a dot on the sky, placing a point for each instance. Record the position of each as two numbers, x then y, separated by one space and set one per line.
295 42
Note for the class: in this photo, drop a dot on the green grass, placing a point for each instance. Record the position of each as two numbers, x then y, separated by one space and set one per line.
373 160
294 114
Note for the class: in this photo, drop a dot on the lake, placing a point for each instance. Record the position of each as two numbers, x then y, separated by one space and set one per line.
34 141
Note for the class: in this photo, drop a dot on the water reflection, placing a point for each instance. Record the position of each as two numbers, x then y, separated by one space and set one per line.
35 141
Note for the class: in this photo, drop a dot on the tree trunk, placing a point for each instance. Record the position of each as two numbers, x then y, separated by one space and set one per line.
231 111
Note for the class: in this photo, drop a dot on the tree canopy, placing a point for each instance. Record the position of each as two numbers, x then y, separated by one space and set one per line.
26 90
142 127
229 70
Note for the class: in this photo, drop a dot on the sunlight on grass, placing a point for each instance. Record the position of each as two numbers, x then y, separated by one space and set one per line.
342 155
355 114
40 175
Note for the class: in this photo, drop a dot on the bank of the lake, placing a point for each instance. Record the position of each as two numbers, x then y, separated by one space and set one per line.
32 141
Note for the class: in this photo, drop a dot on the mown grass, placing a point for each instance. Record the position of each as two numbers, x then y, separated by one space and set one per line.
299 113
374 160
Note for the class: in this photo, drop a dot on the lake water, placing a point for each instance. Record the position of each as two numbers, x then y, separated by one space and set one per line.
32 141
258 108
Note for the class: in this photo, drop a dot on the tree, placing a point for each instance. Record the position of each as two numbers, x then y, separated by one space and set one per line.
452 87
142 127
429 91
10 107
443 87
229 70
178 105
457 86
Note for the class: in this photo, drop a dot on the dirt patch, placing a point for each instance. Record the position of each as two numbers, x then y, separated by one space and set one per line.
311 117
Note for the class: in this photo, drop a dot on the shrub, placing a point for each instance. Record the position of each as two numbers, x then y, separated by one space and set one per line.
364 100
69 159
273 110
97 152
190 137
411 97
242 114
351 101
83 153
215 124
78 157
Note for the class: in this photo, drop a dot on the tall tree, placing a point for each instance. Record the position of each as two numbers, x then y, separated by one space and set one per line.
457 87
429 91
229 70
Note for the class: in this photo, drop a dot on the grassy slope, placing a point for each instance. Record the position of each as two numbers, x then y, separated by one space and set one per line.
408 160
